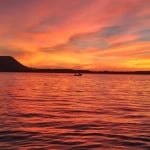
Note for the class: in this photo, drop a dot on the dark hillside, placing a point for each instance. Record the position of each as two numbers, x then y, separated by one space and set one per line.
9 64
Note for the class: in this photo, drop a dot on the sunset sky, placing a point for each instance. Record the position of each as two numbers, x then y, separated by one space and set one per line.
78 34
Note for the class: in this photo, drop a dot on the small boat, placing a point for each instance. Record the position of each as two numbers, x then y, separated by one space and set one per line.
78 74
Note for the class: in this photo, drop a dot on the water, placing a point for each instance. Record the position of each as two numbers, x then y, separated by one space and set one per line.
64 112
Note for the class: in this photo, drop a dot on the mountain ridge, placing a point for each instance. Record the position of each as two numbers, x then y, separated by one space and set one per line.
10 64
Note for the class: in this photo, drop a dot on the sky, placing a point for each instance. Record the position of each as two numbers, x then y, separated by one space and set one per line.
77 34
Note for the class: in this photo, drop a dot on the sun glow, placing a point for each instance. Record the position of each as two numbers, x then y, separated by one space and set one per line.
100 35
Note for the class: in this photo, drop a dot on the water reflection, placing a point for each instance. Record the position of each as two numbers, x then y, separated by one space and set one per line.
57 111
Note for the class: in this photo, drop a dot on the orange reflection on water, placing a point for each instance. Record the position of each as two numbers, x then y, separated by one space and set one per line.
59 111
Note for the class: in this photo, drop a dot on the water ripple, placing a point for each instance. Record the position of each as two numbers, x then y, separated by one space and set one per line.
53 112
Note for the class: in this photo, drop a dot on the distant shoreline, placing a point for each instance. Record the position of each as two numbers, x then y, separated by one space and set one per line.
10 64
60 71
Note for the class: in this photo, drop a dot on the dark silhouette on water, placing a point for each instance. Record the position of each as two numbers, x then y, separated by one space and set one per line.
10 64
78 74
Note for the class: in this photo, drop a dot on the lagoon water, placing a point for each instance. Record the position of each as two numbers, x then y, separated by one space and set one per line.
65 112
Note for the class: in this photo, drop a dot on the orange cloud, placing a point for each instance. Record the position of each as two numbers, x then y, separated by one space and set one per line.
86 34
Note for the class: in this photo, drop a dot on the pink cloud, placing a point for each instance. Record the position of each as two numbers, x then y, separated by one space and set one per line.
73 28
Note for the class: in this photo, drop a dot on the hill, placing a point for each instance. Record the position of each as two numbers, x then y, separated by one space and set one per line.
9 64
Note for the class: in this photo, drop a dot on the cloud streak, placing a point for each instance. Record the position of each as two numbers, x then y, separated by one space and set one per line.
105 35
